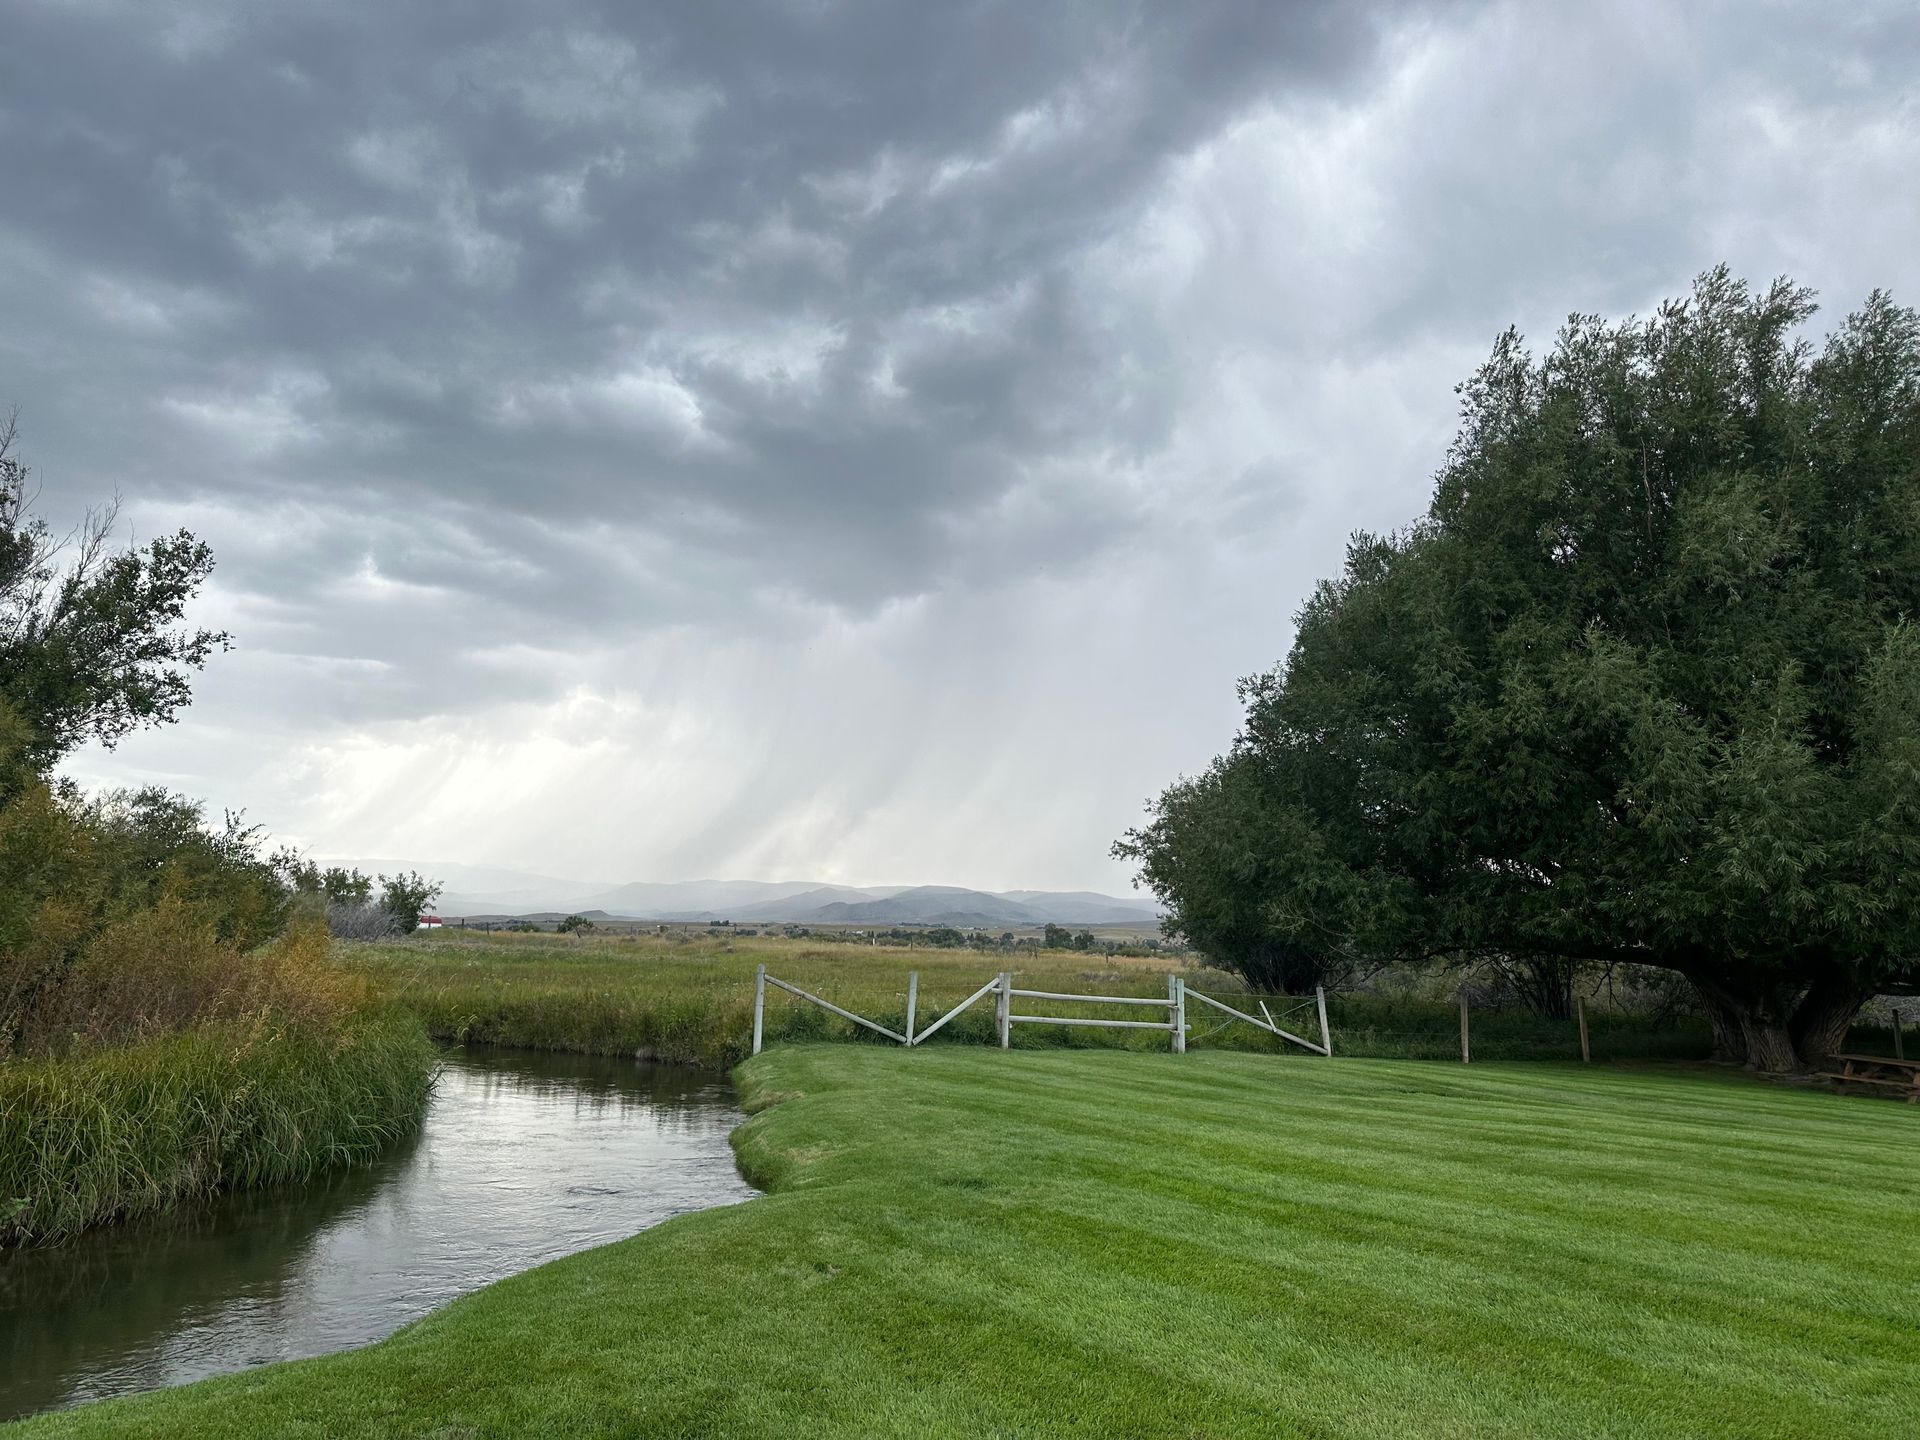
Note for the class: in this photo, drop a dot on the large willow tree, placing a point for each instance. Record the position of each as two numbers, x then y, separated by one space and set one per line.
1643 686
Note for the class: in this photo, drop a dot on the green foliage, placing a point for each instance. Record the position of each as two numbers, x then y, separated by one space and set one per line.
575 924
969 1243
158 846
91 644
337 884
1643 687
1215 853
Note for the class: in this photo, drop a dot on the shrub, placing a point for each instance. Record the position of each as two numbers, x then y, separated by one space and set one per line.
132 881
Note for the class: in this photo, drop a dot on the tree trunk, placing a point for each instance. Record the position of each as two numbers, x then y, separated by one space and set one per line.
1823 1017
1729 1041
1769 1044
1759 1014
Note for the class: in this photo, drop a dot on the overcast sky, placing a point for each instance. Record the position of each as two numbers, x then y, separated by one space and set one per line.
853 441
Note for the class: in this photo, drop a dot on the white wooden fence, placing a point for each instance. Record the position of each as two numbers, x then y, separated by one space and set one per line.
1004 993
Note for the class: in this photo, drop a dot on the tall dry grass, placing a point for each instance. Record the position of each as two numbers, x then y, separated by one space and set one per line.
159 971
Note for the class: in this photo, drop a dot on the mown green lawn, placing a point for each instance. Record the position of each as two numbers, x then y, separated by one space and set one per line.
961 1241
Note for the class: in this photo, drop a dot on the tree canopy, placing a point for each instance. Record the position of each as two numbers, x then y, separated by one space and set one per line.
1642 686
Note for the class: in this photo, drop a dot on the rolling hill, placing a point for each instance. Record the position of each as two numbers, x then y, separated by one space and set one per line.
475 891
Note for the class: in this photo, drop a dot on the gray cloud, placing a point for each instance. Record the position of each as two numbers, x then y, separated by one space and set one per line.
876 412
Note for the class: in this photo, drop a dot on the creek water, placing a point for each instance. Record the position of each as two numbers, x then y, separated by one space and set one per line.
522 1158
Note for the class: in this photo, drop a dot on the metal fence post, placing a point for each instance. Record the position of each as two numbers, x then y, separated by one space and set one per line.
1003 1009
1177 1003
1326 1035
759 1004
913 995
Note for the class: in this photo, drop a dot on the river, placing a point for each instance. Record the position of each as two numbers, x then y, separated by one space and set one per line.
521 1158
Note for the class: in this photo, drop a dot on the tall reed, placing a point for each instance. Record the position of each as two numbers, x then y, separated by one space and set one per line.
130 1129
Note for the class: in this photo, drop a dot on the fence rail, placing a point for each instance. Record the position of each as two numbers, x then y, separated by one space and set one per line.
1004 993
1084 1020
1103 999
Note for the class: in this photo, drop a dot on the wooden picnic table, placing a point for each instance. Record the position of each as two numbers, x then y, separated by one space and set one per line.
1882 1073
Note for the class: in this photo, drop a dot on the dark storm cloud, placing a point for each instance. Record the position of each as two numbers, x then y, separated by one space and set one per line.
790 288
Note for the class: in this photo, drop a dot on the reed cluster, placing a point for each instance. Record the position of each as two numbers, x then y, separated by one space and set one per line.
131 1129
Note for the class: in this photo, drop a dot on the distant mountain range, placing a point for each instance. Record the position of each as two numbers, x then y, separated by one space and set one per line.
486 890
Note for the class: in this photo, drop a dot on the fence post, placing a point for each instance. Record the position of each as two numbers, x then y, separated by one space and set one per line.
1899 1046
1580 1009
1003 1009
759 1004
1326 1035
1177 1002
1466 1053
913 995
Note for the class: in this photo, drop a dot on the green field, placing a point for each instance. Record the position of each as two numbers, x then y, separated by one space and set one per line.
961 1241
690 1001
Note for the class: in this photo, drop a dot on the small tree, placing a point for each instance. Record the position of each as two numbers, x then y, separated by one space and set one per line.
575 925
404 896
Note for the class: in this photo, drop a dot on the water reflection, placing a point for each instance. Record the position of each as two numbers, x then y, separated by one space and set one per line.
522 1158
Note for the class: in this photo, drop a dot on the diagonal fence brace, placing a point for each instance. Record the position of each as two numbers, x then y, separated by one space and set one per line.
1258 1023
980 994
892 1035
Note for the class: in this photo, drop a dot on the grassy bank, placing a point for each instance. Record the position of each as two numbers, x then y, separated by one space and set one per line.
691 1002
132 1129
961 1242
